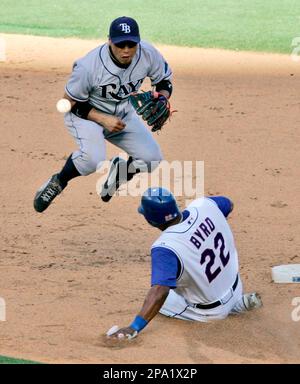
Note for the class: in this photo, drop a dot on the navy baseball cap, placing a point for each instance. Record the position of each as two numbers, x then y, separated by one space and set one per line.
124 29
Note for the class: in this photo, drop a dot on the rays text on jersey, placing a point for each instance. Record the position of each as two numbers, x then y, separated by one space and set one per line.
108 91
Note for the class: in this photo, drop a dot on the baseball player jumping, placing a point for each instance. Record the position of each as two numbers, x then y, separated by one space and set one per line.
99 89
195 272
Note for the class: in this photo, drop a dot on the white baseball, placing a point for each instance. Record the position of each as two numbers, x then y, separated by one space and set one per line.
63 106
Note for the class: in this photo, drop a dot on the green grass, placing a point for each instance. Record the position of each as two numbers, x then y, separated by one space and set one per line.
10 360
259 25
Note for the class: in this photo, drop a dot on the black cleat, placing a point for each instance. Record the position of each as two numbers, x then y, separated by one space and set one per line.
47 193
117 175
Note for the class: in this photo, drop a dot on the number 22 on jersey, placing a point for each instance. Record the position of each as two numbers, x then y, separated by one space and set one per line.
210 254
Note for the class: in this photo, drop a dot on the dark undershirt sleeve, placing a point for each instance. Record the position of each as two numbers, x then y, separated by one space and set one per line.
165 267
224 204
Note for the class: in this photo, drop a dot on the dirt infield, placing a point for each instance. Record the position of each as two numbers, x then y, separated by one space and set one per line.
71 273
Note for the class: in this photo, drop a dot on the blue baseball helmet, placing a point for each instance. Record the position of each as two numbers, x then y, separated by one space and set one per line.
158 206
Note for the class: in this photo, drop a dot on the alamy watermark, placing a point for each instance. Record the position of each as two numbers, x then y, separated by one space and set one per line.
183 178
296 311
2 49
2 309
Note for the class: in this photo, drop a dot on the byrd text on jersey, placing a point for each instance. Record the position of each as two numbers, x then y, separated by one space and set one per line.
202 232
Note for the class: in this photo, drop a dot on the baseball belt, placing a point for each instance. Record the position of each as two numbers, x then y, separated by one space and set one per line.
224 300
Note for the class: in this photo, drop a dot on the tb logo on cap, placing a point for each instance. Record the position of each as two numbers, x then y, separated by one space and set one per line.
125 28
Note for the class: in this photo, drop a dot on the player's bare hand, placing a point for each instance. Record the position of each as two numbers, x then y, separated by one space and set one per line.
113 123
109 122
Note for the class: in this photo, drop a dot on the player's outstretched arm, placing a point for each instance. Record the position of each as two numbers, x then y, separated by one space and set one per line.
153 302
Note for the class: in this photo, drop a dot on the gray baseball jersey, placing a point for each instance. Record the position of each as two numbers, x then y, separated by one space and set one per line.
97 79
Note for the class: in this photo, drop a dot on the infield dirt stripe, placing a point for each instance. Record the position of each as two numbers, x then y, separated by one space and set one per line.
48 54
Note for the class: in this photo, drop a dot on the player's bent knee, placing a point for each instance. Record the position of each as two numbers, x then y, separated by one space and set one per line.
152 162
150 166
87 164
153 165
